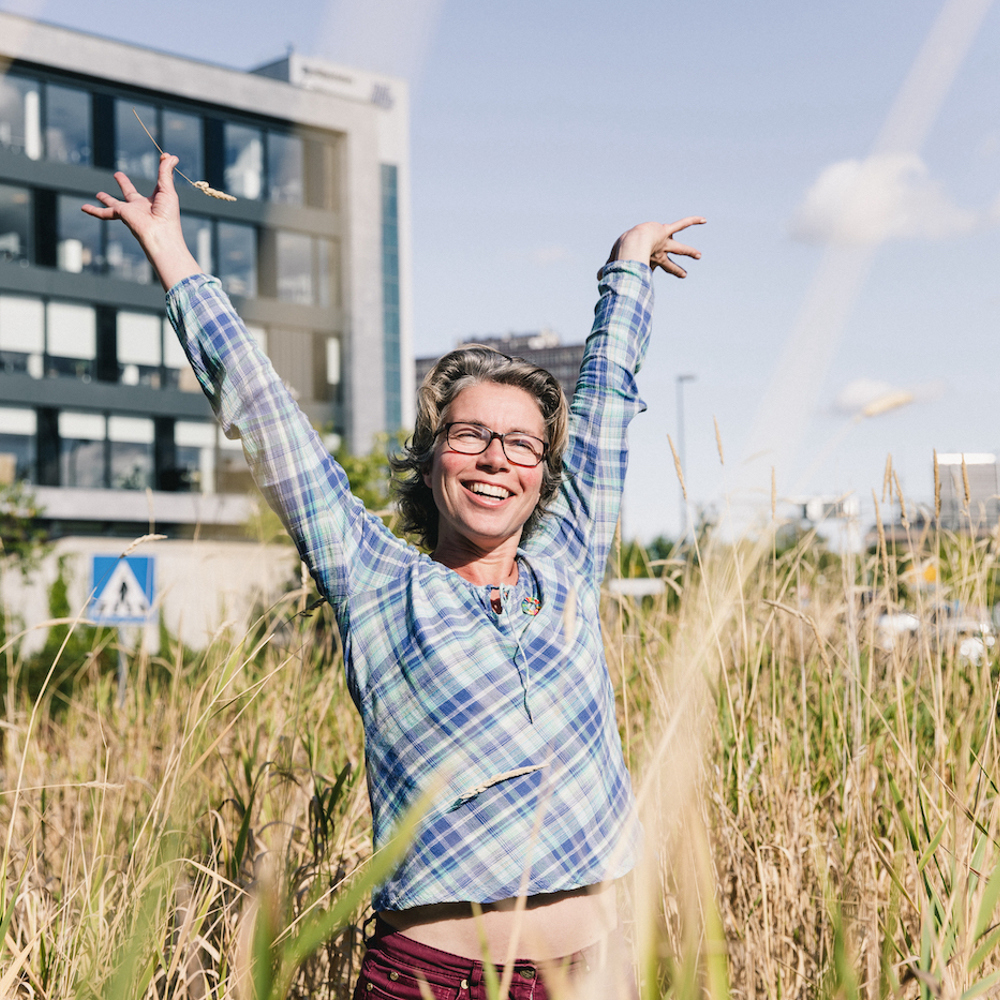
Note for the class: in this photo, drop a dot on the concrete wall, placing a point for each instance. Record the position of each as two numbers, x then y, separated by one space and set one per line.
200 585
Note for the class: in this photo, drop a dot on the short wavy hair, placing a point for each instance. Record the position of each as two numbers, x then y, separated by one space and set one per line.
471 365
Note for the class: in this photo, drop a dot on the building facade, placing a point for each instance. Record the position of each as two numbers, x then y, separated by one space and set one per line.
543 348
99 410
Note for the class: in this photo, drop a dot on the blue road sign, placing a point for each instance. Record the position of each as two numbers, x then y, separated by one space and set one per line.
123 589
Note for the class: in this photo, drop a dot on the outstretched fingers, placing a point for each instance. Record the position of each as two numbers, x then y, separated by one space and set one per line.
108 211
691 220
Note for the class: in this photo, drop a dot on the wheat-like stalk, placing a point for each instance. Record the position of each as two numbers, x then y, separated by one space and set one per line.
200 185
904 520
965 483
937 488
718 441
677 468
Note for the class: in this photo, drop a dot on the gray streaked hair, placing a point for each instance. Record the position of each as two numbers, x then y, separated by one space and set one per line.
471 365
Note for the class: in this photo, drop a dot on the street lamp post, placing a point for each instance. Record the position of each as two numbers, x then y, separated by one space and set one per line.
681 379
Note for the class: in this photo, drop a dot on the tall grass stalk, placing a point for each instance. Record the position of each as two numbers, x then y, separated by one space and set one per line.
820 812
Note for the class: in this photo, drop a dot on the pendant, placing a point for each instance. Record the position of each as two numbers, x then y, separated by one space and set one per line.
531 605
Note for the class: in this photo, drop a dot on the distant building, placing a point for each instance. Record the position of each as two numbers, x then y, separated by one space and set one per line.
542 348
983 507
97 403
979 516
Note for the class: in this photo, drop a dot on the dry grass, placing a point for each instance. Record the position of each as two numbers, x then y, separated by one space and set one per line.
821 814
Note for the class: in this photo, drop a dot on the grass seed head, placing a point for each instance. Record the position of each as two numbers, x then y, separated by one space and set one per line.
937 487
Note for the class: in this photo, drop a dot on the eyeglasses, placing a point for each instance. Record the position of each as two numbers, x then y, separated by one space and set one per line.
473 439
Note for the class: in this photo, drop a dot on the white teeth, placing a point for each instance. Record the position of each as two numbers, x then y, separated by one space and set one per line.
486 490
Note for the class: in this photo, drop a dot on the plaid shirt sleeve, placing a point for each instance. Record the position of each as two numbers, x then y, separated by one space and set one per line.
347 549
581 524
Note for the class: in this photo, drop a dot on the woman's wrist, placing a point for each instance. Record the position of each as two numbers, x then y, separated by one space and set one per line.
171 260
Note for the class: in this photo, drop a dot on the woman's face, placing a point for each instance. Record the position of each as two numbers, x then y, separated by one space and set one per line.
485 499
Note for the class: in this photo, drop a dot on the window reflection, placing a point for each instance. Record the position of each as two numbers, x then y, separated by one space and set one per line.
79 246
244 161
71 340
22 335
306 269
81 449
18 430
182 136
139 348
20 116
327 286
198 237
15 223
130 452
67 124
134 153
285 166
194 470
233 473
237 258
177 372
125 259
295 268
326 367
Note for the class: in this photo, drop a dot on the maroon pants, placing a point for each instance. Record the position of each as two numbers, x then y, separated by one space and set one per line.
394 966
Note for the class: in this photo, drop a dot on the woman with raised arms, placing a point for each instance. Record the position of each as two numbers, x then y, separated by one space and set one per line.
479 668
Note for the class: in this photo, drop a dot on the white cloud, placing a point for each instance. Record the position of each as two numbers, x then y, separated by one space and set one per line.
868 397
890 196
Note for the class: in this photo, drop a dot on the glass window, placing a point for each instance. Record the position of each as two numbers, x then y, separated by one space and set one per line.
333 361
139 348
244 161
79 246
81 449
237 258
124 257
295 268
22 335
177 372
327 286
285 168
182 136
71 340
67 124
15 223
18 429
131 452
195 449
20 116
259 334
134 153
198 237
326 367
232 472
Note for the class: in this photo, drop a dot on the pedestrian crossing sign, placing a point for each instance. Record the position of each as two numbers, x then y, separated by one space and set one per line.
123 590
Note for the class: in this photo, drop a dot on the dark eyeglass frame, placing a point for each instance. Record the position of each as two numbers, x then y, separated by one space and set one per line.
445 429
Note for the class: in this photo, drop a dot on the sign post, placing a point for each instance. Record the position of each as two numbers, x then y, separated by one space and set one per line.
123 589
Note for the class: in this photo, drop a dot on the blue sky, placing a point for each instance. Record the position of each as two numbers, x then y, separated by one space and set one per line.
542 130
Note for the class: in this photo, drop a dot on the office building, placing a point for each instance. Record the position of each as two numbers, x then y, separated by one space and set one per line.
543 348
99 410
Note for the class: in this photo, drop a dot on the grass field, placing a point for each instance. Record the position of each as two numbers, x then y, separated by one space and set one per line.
821 813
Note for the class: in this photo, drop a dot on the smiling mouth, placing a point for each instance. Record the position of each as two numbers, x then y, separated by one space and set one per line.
490 490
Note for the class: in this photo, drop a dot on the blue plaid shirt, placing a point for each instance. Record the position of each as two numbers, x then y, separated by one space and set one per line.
512 714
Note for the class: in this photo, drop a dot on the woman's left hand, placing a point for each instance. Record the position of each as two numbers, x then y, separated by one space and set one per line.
651 242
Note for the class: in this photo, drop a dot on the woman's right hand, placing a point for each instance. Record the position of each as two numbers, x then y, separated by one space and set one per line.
155 222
